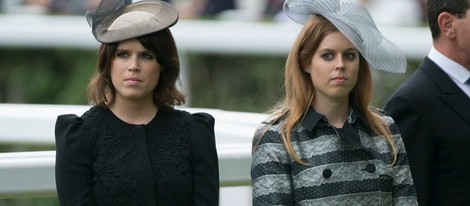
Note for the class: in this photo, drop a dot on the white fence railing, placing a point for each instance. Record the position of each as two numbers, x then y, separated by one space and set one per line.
190 35
32 173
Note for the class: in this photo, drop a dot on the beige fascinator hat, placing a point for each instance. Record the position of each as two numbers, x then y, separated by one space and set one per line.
355 22
117 20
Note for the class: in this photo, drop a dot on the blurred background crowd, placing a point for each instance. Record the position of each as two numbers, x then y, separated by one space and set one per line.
396 12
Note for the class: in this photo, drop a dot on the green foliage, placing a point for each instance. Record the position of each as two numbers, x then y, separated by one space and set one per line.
24 147
37 201
45 76
251 83
386 83
235 82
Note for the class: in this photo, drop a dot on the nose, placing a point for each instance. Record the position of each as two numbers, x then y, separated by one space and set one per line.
339 64
133 65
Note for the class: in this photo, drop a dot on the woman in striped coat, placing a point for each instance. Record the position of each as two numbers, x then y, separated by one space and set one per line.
324 144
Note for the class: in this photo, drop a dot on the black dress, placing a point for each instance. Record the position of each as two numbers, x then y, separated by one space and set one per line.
102 160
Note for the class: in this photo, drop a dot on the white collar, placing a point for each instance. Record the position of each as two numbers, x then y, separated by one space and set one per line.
452 68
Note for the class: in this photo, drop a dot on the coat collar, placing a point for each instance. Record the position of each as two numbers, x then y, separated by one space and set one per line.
450 93
312 118
348 133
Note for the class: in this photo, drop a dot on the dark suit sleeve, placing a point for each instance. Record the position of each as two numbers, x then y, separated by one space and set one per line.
205 165
418 142
73 162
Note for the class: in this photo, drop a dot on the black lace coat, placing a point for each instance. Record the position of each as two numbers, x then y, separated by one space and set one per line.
101 160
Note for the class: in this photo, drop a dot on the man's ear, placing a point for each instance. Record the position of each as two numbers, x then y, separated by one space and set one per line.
445 21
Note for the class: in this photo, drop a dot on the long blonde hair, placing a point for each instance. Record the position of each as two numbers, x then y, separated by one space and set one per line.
299 91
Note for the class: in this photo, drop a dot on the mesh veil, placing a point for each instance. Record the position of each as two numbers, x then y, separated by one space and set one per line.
105 13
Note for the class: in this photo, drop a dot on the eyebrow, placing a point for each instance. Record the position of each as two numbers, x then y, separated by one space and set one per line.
348 49
127 50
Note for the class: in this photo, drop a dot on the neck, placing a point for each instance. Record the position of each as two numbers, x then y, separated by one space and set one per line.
335 111
451 50
134 112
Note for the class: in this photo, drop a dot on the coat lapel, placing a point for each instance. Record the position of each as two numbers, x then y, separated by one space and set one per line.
450 93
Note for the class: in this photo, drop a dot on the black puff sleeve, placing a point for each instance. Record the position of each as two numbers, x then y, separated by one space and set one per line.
204 160
73 166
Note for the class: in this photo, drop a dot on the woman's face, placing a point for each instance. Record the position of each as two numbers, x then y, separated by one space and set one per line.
135 71
334 68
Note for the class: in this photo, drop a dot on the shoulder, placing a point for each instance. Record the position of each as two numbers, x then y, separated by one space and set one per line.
386 119
198 122
269 131
71 129
191 118
202 117
417 85
382 115
67 122
73 119
66 125
200 126
393 127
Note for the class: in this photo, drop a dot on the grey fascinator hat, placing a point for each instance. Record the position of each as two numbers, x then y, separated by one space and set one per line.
117 20
355 22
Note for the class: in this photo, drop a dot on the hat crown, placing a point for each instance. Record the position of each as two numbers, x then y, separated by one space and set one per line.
129 19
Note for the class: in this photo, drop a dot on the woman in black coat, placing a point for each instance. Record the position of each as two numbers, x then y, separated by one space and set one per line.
133 147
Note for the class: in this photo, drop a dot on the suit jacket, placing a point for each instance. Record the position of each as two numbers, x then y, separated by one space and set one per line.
433 115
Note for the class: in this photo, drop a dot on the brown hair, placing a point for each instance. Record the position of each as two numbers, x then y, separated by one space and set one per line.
434 8
299 91
165 95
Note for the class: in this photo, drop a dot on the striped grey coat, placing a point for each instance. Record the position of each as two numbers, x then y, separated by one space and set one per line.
347 166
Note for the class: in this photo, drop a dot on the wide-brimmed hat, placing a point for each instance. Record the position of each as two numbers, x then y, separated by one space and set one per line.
117 20
354 21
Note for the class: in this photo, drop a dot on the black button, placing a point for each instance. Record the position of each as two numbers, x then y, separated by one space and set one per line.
370 168
327 173
137 128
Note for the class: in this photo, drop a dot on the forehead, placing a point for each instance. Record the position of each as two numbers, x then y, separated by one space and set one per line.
336 40
130 44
